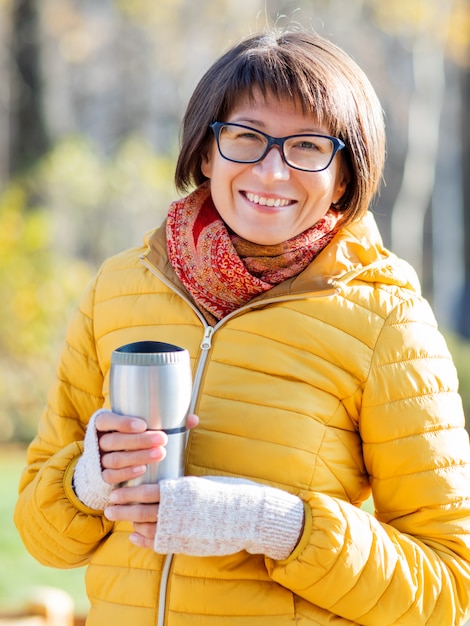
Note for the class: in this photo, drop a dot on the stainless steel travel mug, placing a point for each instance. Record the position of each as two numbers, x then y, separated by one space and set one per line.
152 380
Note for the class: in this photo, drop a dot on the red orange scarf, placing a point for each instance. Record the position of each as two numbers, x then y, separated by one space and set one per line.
221 270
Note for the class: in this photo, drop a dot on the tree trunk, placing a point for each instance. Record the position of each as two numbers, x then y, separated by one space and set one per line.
28 139
464 313
5 92
413 200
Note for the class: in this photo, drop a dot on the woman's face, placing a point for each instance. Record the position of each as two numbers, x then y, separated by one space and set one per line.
269 202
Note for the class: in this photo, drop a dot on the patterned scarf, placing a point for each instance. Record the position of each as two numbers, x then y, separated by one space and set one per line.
221 270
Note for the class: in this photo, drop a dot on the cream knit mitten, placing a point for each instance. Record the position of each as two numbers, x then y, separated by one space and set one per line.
88 483
215 516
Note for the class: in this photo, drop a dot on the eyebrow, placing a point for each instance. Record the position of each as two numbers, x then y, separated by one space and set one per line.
262 125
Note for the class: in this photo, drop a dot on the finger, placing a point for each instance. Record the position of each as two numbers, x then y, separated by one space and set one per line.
108 421
146 529
115 477
128 461
114 441
145 494
141 541
192 421
132 513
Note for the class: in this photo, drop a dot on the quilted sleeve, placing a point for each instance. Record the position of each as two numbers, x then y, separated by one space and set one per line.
410 564
56 528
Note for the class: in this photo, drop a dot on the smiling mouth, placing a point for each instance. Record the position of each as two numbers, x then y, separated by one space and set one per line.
264 201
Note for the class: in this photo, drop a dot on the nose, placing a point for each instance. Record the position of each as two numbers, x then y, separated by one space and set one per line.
272 166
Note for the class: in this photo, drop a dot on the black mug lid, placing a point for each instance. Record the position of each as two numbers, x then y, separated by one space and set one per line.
149 353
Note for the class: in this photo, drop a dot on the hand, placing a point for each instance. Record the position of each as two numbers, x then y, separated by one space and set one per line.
138 504
127 447
211 516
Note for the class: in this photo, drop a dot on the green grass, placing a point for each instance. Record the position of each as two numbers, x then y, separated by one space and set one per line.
19 572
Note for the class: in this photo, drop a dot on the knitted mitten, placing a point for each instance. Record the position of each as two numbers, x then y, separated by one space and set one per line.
215 516
88 483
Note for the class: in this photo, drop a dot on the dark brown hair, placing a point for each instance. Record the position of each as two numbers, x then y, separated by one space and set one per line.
301 66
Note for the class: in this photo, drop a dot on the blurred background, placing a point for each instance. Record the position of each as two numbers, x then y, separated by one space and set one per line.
91 98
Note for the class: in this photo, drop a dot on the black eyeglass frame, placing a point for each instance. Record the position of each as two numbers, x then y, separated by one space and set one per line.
276 141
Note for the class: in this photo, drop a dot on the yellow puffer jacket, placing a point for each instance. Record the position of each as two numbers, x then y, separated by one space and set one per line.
332 383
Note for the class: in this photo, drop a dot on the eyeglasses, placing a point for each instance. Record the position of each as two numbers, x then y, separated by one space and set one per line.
243 144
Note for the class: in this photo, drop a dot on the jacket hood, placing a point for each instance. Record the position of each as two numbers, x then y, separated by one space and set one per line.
358 252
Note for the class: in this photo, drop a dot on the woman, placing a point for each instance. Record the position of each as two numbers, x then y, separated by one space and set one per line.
320 378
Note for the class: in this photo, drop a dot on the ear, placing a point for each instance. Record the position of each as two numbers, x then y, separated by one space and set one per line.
206 164
343 178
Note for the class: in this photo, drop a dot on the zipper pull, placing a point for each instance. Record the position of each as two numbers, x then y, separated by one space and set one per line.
207 339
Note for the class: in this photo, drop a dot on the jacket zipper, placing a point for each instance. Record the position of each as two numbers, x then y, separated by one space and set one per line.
205 346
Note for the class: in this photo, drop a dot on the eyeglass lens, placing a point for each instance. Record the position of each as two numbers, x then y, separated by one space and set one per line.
246 145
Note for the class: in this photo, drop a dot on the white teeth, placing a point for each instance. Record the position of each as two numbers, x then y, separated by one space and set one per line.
275 202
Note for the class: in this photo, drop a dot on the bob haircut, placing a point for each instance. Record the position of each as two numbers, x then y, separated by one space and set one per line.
320 76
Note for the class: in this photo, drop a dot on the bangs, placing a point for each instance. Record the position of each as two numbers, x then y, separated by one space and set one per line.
276 72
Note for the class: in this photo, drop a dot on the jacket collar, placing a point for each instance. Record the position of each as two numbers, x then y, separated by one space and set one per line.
355 253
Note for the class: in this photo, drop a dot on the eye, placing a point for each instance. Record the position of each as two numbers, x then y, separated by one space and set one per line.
247 135
243 134
308 145
311 144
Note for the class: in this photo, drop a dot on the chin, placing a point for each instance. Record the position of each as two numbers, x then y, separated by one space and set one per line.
263 241
261 237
